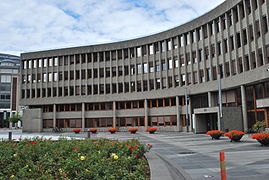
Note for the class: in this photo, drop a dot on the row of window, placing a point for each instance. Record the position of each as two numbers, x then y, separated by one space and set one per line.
152 103
217 25
108 122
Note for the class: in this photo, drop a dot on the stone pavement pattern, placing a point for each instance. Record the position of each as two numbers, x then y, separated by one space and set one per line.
197 155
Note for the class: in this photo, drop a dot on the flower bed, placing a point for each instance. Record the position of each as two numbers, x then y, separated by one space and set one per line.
215 134
234 135
151 130
262 138
76 130
93 130
73 159
133 130
112 130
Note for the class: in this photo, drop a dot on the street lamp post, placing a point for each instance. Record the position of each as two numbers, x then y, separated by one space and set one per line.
221 123
186 104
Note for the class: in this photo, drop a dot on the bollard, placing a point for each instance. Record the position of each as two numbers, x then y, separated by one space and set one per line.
89 134
9 136
222 166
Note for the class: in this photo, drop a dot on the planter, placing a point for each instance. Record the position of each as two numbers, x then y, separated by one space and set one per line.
94 132
151 132
76 132
112 132
215 136
133 132
236 138
264 142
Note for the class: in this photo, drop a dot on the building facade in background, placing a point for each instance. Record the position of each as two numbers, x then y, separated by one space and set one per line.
9 91
167 80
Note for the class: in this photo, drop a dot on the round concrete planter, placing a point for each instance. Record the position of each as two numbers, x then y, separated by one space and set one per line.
236 138
264 142
215 136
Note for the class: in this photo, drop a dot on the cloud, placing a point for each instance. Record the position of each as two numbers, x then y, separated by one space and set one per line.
32 25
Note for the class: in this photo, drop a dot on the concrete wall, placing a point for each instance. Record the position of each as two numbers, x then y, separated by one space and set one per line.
32 120
232 117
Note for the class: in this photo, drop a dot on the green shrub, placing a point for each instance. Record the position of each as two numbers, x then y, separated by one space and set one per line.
259 126
73 159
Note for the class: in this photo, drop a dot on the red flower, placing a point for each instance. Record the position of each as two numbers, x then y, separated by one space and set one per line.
74 148
137 155
214 132
112 130
260 136
33 142
233 133
132 129
65 175
76 130
149 145
151 129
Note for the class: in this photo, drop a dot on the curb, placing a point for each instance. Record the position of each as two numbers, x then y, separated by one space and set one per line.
161 168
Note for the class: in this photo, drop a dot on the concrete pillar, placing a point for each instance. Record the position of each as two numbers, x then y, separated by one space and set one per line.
244 108
83 116
146 112
209 94
114 114
179 125
54 115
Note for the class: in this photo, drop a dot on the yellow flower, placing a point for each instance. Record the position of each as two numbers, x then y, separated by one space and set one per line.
82 158
129 157
87 170
99 152
113 154
12 176
30 170
60 170
15 155
116 157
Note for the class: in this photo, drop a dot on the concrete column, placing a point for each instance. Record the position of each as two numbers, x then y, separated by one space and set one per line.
244 108
114 114
209 94
54 115
83 116
146 112
178 114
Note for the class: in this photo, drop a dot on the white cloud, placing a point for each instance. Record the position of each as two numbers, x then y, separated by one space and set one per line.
31 25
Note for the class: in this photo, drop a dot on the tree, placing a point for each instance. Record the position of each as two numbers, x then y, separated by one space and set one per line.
14 118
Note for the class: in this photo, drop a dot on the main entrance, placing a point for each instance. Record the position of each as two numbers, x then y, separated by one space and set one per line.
206 122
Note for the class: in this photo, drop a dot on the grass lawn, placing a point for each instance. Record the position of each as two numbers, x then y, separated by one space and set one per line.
73 159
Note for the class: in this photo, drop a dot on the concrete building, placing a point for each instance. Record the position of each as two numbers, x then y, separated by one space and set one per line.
167 80
9 74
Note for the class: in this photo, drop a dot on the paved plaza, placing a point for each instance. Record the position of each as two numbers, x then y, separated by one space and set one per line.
196 154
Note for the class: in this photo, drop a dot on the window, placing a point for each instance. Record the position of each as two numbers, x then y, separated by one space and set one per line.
139 68
257 28
55 61
240 65
201 76
194 58
120 71
151 49
164 67
176 63
162 46
233 70
5 78
45 62
50 77
44 77
183 79
39 63
208 74
264 25
246 63
145 68
238 40
55 76
138 51
50 62
35 63
169 45
157 66
170 63
158 83
151 67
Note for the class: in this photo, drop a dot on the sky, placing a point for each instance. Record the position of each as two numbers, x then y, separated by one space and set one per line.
35 25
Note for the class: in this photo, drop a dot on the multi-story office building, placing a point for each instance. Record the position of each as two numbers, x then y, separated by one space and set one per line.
9 73
144 82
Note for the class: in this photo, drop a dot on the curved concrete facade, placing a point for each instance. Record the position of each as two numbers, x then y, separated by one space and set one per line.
144 82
